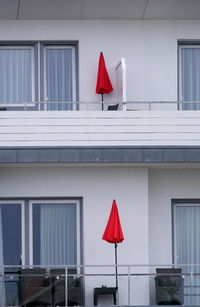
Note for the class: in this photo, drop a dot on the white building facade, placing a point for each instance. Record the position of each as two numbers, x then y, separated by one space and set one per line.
62 164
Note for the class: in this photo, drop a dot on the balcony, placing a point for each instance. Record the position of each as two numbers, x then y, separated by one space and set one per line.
143 285
133 124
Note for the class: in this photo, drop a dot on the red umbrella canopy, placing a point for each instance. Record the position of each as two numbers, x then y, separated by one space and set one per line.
113 231
103 85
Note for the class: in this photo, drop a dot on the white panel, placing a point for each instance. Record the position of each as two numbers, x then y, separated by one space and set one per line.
100 9
121 82
99 128
50 9
172 9
78 129
8 9
113 9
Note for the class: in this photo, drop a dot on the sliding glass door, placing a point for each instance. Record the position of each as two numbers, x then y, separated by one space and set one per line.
17 74
11 247
44 72
59 76
189 76
11 228
54 233
187 248
41 233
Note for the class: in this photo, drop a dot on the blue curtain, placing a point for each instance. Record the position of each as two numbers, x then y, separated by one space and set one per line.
188 249
58 234
15 75
59 78
190 77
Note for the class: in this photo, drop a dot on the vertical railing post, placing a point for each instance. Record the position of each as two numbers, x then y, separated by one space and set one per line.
149 103
66 286
191 282
129 286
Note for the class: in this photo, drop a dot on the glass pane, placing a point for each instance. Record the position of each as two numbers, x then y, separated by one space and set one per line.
10 252
190 76
188 250
15 75
54 234
59 77
10 237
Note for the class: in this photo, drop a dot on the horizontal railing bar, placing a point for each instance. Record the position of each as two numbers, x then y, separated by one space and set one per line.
33 103
102 265
103 274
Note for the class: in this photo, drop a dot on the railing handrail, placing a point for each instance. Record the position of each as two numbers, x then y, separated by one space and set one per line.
132 105
170 265
15 103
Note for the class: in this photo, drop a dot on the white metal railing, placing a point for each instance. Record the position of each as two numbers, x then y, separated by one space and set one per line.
137 284
99 106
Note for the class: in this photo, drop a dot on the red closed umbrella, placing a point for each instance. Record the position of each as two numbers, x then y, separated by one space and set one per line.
103 85
113 232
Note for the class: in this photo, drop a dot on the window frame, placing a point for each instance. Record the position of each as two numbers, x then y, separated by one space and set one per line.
27 224
38 91
181 45
53 201
58 46
177 203
33 61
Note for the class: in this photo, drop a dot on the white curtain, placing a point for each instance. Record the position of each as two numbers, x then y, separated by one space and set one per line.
58 234
15 75
188 249
2 285
190 76
59 78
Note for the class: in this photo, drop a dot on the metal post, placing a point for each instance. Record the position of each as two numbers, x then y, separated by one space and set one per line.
191 283
102 101
66 286
129 286
116 273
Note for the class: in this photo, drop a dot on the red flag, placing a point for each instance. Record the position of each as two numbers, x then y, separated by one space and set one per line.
113 231
103 85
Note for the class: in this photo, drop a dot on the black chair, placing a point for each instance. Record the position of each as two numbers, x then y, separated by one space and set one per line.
113 107
34 288
169 286
74 286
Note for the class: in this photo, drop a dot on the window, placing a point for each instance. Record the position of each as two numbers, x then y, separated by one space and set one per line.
40 232
187 248
189 75
38 72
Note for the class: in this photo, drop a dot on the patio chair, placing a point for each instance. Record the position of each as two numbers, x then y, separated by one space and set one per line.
34 288
113 107
169 286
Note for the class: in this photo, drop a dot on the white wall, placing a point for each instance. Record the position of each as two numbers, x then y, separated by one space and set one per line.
149 48
98 186
165 185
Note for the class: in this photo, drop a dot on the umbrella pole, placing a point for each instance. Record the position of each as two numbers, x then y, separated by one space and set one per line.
116 273
102 101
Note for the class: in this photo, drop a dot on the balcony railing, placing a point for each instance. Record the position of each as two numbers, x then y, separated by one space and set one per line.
143 285
99 106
